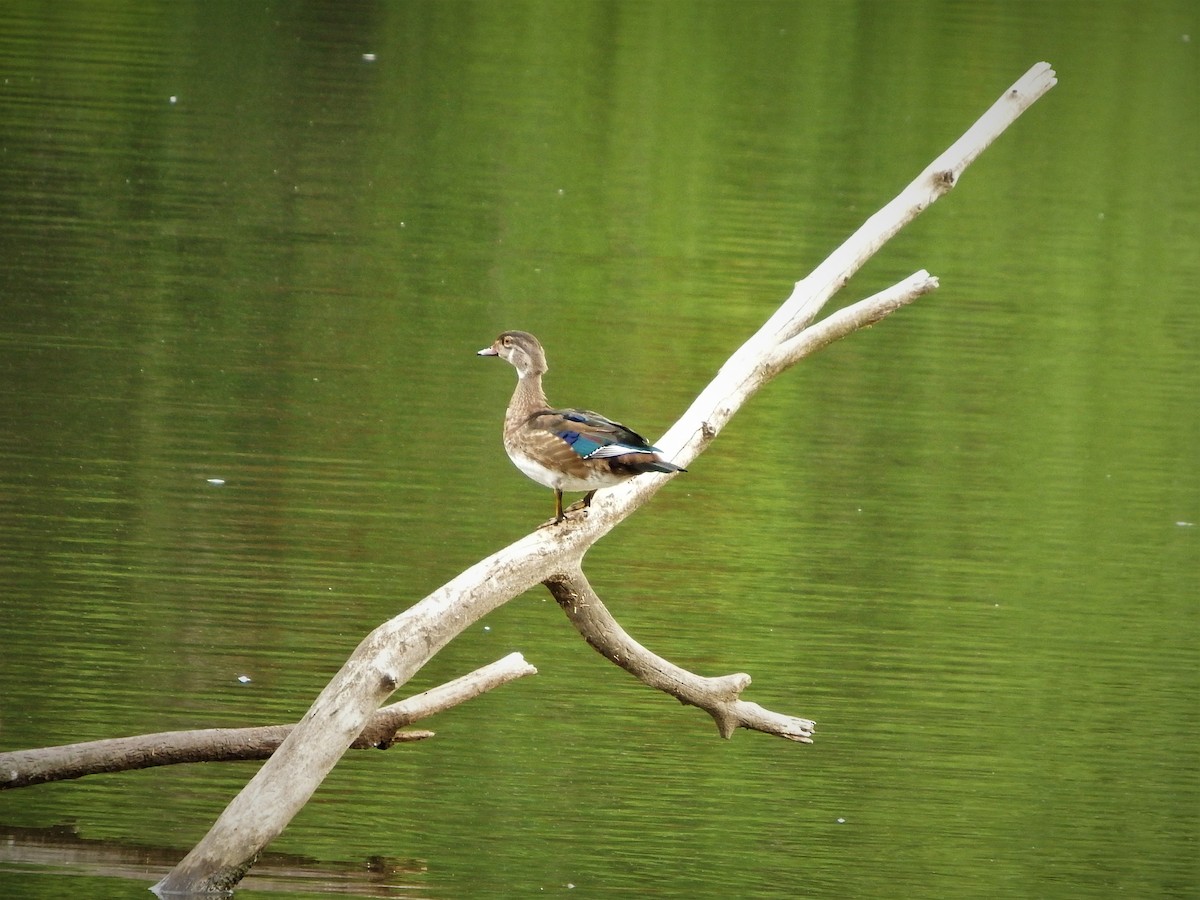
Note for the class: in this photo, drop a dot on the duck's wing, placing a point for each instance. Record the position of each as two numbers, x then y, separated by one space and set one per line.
589 434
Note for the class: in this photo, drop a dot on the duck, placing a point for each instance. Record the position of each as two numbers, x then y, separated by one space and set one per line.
565 449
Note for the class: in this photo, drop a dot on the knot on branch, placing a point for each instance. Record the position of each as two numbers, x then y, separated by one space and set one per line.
943 180
388 682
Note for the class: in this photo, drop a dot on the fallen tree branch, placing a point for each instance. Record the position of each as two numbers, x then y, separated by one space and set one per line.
719 697
389 719
836 326
22 768
934 182
395 650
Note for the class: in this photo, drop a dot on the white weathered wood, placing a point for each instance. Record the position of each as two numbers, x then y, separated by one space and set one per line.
393 652
24 768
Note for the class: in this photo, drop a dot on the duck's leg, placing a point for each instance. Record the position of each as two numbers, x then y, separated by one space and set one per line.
559 515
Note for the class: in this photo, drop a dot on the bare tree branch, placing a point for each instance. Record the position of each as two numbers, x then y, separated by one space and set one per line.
395 650
386 722
22 768
862 314
719 697
934 182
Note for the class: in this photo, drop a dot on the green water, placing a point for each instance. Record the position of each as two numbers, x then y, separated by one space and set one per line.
260 244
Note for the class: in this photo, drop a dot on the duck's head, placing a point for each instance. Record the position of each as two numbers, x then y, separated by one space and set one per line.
521 350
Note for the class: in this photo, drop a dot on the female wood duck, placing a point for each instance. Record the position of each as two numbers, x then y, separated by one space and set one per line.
565 449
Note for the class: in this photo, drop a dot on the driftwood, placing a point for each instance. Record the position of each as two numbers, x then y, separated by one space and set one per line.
719 697
22 768
390 655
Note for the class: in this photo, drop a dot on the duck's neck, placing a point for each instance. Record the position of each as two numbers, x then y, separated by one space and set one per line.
527 399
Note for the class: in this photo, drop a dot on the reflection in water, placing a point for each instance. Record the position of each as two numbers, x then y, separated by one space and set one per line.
247 260
61 849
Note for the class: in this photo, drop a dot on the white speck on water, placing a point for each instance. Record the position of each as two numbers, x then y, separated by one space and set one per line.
841 821
368 57
172 98
244 679
1186 524
216 481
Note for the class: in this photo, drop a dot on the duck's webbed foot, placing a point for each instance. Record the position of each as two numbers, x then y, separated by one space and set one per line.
582 504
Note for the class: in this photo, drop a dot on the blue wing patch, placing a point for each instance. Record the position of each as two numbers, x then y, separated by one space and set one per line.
590 434
584 446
